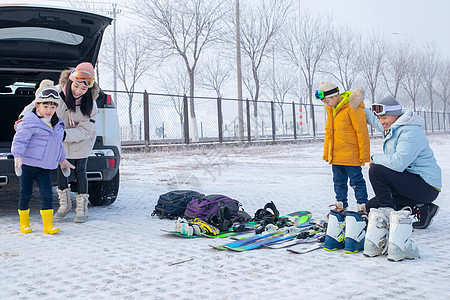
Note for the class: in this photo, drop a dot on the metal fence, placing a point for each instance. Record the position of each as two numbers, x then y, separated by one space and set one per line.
152 119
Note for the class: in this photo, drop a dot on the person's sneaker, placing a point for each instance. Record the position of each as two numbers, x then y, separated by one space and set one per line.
425 215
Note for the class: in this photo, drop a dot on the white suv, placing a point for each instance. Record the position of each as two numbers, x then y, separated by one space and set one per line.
38 42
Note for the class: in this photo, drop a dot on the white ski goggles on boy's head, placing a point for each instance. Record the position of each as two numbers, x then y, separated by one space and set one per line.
50 92
381 109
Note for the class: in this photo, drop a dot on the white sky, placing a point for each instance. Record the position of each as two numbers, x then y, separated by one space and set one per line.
420 21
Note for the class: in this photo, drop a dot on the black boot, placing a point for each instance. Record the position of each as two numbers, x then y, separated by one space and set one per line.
425 215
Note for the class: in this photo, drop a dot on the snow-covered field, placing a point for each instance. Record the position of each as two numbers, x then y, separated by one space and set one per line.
120 253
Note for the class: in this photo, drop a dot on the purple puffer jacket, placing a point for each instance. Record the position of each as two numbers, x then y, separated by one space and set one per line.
37 143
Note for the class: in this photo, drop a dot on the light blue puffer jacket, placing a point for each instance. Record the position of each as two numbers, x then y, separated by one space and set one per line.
406 147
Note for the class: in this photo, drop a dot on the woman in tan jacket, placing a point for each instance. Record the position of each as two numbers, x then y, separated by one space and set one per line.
78 90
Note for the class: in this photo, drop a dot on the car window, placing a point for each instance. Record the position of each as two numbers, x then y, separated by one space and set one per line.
40 34
18 88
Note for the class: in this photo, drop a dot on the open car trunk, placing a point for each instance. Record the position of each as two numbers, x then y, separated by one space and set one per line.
47 38
36 43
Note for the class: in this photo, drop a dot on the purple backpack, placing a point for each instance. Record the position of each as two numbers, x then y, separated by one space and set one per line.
209 206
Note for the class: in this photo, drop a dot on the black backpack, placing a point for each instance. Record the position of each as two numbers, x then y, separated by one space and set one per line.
173 204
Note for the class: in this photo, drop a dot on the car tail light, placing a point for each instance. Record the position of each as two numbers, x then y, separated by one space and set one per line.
108 99
112 163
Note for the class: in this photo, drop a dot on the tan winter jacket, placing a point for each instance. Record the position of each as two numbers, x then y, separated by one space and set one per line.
81 131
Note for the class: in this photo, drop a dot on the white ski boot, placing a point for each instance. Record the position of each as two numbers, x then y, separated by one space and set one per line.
335 237
400 246
376 240
355 231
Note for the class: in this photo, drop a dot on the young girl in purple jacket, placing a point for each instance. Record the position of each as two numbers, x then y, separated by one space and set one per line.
37 148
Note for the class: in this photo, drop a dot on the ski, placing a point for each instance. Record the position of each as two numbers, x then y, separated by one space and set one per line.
305 248
299 214
287 234
244 241
218 236
303 220
256 241
292 242
249 243
179 234
315 233
225 234
246 227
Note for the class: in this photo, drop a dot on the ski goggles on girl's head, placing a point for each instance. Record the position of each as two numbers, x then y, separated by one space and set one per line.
322 94
50 92
381 109
83 77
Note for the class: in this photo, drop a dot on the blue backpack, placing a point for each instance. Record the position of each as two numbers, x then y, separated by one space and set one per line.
172 205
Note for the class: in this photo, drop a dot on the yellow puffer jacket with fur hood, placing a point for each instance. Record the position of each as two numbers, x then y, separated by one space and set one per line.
346 134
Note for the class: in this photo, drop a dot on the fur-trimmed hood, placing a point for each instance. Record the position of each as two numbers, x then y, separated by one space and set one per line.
64 78
356 99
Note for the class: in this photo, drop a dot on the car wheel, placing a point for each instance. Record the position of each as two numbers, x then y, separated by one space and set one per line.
104 193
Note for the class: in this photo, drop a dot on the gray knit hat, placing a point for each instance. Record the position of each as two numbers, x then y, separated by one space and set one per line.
46 92
391 106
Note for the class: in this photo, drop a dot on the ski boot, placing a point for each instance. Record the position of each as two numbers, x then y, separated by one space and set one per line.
203 227
335 236
355 231
182 226
376 240
400 245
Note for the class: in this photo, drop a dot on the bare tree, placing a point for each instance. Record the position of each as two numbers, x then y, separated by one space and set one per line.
249 82
184 28
372 52
342 62
259 28
175 83
133 61
429 73
412 79
398 60
314 40
214 74
443 85
283 85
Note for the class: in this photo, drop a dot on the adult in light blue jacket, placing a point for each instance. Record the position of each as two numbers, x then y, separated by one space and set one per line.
406 173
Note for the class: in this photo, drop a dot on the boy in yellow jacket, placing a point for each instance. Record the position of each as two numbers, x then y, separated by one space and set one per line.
346 148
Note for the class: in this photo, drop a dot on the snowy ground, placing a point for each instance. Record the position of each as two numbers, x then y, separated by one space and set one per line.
120 253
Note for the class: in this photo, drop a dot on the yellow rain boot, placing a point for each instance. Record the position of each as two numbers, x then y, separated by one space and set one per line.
47 219
25 221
